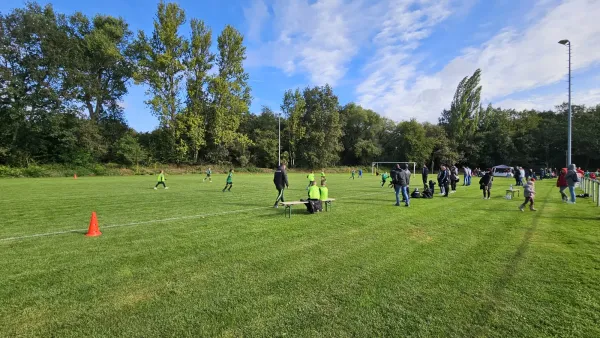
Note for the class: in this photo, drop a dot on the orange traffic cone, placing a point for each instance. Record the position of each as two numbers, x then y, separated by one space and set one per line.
93 230
75 176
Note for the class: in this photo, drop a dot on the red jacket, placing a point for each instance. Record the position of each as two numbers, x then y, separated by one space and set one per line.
562 181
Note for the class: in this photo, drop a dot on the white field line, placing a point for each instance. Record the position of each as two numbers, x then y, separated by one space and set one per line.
129 224
16 238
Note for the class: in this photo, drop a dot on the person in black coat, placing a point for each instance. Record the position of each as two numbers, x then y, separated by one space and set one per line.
424 174
281 182
485 184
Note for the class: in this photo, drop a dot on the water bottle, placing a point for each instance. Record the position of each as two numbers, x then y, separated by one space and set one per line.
511 187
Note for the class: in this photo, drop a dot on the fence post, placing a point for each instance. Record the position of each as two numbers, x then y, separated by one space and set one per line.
597 193
593 191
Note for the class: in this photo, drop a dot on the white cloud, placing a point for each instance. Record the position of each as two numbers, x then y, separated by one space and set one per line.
511 61
589 97
323 37
257 14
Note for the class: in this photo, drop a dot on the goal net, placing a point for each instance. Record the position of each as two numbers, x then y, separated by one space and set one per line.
377 167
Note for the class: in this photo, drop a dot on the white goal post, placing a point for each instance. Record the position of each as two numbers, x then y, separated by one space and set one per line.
375 166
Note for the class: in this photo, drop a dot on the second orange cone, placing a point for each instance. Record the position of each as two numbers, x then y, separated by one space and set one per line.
93 230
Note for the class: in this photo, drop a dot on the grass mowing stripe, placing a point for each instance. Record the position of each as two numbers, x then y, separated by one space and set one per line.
130 224
14 238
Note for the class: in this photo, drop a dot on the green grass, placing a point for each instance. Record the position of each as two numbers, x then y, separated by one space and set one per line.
459 266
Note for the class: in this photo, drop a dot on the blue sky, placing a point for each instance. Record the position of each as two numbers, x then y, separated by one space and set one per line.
401 58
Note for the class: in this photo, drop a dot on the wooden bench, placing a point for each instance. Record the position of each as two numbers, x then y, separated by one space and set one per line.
512 192
288 206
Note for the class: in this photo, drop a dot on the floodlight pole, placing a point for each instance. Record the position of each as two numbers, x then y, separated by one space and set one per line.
279 136
568 44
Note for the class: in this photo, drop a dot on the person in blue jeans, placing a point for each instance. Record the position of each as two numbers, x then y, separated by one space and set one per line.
403 182
399 180
572 178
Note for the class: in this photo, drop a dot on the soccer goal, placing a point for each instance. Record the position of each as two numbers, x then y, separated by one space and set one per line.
389 165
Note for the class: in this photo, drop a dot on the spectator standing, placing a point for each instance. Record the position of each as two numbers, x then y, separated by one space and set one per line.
453 178
444 180
440 177
563 185
424 174
397 173
572 178
518 177
405 184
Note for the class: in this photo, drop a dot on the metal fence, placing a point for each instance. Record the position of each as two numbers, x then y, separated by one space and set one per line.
591 187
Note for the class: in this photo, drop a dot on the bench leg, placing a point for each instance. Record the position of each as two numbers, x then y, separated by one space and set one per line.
288 211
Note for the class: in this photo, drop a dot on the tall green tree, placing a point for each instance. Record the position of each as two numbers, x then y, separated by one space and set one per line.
361 128
461 121
161 67
229 95
294 109
199 61
99 63
33 49
321 144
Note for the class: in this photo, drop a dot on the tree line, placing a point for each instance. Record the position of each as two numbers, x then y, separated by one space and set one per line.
63 79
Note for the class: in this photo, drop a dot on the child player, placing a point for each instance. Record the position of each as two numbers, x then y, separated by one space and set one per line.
529 192
353 173
208 173
324 192
384 178
229 182
322 174
311 179
161 180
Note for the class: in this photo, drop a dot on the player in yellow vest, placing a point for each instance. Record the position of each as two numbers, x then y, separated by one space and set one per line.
311 179
323 191
161 180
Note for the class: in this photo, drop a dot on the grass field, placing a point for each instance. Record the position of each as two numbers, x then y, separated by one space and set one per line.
193 261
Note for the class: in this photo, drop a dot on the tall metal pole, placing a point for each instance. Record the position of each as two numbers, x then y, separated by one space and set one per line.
279 135
570 115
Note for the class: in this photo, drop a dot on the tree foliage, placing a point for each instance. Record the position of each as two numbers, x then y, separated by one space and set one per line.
63 79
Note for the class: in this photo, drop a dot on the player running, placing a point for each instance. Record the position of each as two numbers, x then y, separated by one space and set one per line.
208 173
161 180
229 182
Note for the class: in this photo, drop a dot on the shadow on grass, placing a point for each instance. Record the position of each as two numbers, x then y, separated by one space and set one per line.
509 272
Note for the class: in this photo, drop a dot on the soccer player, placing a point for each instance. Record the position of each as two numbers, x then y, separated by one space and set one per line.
353 173
208 173
384 178
161 180
359 173
311 179
229 182
322 174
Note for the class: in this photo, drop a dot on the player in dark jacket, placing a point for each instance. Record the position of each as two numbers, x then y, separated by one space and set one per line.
281 182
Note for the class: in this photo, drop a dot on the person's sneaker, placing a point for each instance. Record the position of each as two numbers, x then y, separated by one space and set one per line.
155 188
396 205
533 209
521 208
276 206
166 187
